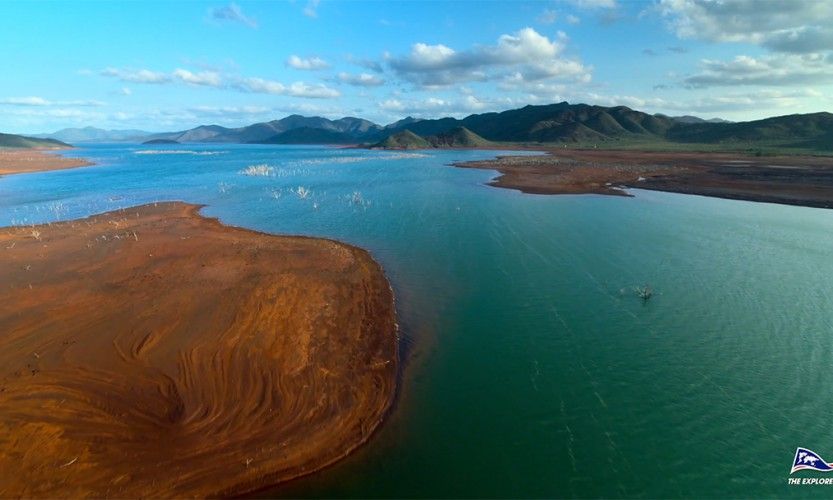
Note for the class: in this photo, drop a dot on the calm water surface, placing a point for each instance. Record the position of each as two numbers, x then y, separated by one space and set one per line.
532 368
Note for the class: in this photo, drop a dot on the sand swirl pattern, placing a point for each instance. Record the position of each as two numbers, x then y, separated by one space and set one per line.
154 352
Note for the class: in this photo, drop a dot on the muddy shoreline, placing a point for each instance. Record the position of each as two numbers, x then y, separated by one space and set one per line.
790 180
22 161
151 351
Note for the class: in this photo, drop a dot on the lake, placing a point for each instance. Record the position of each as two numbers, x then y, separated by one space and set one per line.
532 368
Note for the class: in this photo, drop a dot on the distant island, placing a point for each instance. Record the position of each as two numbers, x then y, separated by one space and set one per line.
161 141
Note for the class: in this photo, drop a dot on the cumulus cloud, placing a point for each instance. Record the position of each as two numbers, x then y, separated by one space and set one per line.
310 63
205 78
571 19
769 70
526 53
233 13
795 26
360 80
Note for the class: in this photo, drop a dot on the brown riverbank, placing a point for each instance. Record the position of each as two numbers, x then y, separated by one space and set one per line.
155 352
21 161
792 180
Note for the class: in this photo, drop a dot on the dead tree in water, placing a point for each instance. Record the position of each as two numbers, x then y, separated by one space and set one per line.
644 292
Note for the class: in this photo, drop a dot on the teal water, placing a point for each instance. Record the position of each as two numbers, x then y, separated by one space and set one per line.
532 368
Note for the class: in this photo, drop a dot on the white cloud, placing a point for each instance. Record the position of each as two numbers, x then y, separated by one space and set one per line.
526 52
594 4
25 101
768 70
432 107
360 80
311 10
125 91
204 78
297 89
571 19
232 12
136 76
40 101
311 63
230 111
218 80
794 26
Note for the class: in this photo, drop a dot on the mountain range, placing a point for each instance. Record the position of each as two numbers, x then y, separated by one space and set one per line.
93 134
560 123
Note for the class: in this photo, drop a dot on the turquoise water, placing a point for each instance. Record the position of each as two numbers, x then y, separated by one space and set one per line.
532 368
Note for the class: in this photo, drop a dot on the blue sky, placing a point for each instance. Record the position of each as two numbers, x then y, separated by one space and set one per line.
175 65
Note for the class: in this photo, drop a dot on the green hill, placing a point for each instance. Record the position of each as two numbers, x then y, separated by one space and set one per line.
622 127
309 135
458 137
811 131
20 141
403 140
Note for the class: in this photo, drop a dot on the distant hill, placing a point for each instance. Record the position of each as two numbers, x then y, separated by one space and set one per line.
403 140
161 141
92 134
21 141
696 119
562 122
559 123
357 129
458 137
583 123
811 131
402 123
308 135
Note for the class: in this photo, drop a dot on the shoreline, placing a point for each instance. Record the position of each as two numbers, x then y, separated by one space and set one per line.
136 334
24 161
789 180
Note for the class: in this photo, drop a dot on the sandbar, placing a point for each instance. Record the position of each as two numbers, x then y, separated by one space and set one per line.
21 161
152 351
791 180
